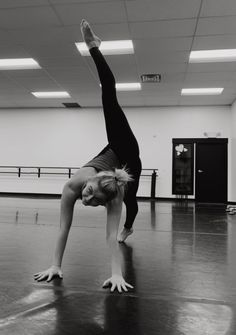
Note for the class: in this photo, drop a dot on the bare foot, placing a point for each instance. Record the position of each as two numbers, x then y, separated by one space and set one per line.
88 35
122 236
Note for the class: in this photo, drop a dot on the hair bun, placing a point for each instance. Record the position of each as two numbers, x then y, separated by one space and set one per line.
122 177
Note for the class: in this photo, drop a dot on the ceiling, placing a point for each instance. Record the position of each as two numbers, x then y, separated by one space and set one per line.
163 32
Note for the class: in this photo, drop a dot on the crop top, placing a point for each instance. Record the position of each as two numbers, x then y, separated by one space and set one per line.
106 160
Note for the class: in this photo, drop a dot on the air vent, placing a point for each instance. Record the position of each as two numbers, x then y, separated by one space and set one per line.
151 78
71 105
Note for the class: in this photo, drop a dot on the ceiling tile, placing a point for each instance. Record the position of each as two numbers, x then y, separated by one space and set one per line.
60 63
163 28
218 8
154 67
7 85
28 17
162 45
22 3
216 26
212 67
162 89
206 101
45 35
22 73
17 93
91 88
160 56
79 1
229 91
162 101
86 100
77 76
6 38
110 12
158 9
214 42
53 51
13 51
209 77
39 83
130 100
172 78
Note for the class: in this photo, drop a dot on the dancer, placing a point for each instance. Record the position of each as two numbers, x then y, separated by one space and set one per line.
109 179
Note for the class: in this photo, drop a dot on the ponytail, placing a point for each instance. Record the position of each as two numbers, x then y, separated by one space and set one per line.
122 177
111 182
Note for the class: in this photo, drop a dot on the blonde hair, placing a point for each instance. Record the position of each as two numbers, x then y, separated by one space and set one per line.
110 182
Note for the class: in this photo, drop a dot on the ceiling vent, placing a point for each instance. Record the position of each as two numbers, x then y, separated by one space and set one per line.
71 105
151 78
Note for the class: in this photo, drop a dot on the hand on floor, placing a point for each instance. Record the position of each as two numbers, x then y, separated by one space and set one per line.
117 282
49 274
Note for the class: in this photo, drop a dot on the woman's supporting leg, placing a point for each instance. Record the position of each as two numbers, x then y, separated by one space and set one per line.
131 208
131 204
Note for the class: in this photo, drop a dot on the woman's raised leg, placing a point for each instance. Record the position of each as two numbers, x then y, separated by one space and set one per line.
119 133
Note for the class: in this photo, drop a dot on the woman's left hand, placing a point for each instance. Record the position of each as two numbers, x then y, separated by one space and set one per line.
117 281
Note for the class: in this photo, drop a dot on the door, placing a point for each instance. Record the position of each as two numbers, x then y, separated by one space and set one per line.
211 172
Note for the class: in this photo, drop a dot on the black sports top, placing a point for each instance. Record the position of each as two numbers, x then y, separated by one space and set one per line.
105 161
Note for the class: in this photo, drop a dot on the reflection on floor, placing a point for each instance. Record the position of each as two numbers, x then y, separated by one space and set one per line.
181 261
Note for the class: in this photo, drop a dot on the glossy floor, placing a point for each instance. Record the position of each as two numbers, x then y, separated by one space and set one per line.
181 261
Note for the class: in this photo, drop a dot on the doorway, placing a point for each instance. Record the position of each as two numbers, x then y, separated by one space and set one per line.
210 174
211 171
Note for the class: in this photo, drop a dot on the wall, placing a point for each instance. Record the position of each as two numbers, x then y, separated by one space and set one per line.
69 137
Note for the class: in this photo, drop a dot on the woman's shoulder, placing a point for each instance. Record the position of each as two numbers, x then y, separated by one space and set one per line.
80 177
86 172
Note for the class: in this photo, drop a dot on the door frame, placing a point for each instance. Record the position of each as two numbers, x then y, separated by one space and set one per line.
204 140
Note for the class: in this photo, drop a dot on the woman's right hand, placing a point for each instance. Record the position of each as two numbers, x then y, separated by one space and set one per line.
49 274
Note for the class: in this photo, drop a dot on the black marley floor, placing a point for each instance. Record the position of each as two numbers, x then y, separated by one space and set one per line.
181 261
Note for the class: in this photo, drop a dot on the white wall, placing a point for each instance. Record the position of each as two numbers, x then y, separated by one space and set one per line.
68 137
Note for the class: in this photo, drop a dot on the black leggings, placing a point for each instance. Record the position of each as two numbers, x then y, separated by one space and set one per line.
119 134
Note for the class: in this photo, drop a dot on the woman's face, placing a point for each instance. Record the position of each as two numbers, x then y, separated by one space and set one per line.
92 196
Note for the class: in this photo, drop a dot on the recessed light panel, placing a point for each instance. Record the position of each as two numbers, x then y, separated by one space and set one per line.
61 94
128 86
121 47
207 56
202 91
18 64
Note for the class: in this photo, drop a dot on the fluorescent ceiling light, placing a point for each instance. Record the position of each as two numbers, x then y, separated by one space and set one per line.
51 94
109 48
128 86
18 64
202 91
207 56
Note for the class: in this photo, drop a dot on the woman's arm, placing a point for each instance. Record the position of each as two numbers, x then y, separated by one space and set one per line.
114 210
68 199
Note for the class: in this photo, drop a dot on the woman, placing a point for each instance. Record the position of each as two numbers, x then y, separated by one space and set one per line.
103 181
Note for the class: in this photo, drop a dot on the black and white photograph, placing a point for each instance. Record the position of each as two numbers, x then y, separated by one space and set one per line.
117 167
